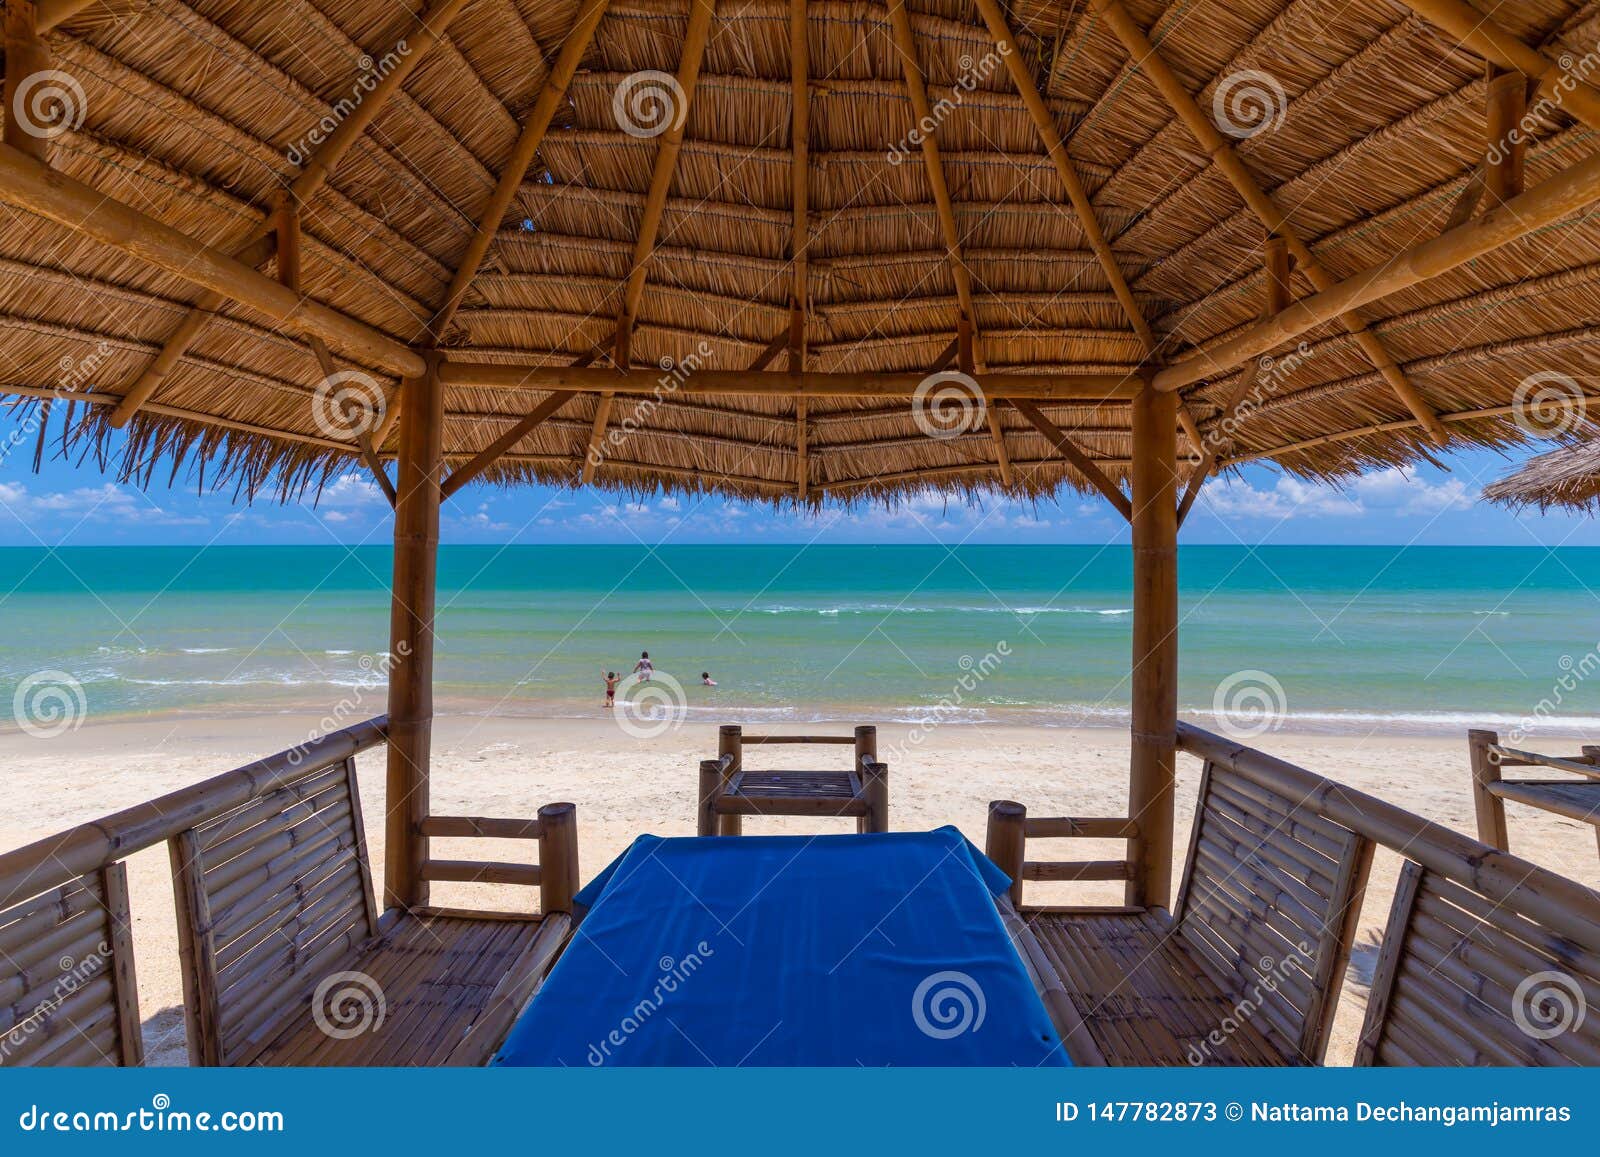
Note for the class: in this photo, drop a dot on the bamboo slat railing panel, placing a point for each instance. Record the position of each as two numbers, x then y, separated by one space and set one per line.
267 896
68 994
1462 979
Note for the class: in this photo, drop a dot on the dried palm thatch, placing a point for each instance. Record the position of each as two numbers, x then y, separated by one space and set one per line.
798 184
1567 477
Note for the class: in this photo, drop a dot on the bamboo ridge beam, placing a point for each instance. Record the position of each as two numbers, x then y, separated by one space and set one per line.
1558 197
1479 32
544 108
27 184
1147 58
258 246
775 383
26 56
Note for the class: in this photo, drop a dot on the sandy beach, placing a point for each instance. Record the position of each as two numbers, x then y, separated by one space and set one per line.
624 786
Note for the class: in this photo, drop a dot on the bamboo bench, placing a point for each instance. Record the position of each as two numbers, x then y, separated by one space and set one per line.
284 954
1258 938
1574 798
728 791
1486 958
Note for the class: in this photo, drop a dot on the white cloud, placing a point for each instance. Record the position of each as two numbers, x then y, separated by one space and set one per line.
1392 490
59 510
350 490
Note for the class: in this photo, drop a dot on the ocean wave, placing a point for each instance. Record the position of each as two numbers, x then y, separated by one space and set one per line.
893 609
205 650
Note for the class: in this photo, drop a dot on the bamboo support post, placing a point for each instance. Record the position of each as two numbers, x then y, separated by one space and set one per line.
876 788
1152 777
411 627
866 753
558 857
1005 842
710 788
1506 143
730 756
1489 808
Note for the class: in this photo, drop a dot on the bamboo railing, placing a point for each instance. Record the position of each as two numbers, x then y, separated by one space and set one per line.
54 860
1563 905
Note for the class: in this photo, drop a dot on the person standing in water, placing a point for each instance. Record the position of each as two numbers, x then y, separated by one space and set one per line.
611 680
644 668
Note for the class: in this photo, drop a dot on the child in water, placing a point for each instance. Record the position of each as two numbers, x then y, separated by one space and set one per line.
706 680
611 681
644 668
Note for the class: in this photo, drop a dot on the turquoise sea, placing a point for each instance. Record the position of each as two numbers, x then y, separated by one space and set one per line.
1429 638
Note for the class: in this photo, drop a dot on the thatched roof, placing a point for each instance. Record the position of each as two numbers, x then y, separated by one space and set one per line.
198 113
1567 477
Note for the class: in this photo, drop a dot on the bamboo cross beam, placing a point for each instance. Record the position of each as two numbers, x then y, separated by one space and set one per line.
1558 197
551 95
780 384
288 258
1085 465
676 104
1147 58
258 246
1483 35
770 351
27 184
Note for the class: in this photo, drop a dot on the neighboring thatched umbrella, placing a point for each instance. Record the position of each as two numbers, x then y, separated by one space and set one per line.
1567 477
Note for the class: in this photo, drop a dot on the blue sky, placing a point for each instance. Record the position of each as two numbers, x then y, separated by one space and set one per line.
67 505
